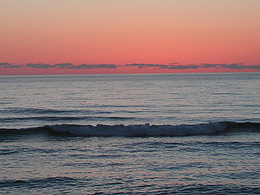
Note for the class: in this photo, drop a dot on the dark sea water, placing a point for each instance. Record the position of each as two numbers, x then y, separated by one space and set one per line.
130 134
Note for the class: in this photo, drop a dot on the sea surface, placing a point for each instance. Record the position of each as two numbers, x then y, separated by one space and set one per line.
130 134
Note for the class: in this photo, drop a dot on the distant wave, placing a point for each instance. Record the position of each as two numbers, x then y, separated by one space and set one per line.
60 118
35 111
20 110
143 130
41 182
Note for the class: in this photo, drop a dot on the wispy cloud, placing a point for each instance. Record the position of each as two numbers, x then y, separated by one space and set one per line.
176 66
40 65
4 64
71 66
95 66
239 66
206 65
144 65
180 67
171 66
164 66
9 65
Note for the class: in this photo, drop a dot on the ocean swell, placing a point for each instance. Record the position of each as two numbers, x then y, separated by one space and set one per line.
139 130
142 130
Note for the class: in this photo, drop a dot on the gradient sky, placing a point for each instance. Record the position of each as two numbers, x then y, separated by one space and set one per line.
87 33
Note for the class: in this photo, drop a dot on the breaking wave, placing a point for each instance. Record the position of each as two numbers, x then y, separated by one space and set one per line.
143 130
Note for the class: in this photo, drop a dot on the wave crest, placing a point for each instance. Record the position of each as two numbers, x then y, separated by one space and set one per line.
136 130
140 130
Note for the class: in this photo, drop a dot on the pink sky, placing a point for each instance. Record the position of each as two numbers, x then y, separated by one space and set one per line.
121 32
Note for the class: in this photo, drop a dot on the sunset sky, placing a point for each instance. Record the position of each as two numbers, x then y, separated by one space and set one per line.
129 36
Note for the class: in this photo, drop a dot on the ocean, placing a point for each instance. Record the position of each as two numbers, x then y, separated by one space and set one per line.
130 134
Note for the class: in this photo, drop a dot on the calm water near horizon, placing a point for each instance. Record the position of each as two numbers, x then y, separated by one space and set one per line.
140 134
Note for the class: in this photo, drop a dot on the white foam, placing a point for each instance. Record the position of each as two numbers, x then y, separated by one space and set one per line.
140 130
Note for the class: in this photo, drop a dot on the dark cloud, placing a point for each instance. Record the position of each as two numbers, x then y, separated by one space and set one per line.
62 66
180 67
206 65
144 65
71 66
234 66
3 64
9 65
39 65
13 66
253 66
162 66
171 66
239 66
94 66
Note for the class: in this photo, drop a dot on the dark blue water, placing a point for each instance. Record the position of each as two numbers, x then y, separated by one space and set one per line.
171 133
